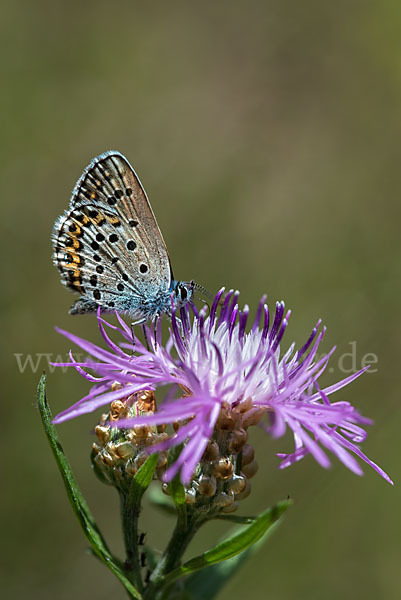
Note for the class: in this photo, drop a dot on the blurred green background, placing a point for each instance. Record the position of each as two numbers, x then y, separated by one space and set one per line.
268 137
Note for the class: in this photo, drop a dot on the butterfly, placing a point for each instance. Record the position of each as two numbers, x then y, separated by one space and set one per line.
108 246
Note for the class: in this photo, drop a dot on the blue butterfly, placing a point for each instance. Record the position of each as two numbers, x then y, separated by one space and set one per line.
109 248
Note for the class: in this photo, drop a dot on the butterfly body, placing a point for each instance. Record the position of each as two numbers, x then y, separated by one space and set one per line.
109 248
141 309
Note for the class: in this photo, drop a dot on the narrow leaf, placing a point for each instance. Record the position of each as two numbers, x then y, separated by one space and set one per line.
76 498
142 479
236 519
234 545
208 582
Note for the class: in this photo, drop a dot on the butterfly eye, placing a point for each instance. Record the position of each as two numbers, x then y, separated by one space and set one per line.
183 292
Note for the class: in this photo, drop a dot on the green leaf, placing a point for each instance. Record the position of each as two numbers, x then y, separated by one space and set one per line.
176 489
236 519
208 582
233 545
76 498
142 480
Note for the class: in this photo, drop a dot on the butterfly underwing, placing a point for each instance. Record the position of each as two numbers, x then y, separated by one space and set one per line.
109 248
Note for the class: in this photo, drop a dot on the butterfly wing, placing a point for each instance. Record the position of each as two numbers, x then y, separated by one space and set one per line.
107 245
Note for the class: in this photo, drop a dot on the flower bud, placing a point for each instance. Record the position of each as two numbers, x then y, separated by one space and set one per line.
225 421
124 450
244 494
211 453
140 459
104 417
190 496
244 406
96 448
223 468
207 485
131 467
117 410
253 417
237 484
116 385
231 508
118 473
248 454
236 440
119 453
141 431
146 402
250 469
162 461
223 499
103 434
106 459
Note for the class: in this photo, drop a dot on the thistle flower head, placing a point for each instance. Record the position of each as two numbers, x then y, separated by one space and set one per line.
231 374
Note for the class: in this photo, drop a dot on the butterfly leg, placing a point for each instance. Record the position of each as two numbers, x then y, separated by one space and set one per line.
140 322
133 337
156 321
145 335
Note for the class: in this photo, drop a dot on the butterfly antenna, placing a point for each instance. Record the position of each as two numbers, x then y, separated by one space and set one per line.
133 338
204 292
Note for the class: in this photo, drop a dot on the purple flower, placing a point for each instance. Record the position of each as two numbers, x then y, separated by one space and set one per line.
225 364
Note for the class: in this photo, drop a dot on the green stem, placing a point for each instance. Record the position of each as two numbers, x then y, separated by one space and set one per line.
129 517
182 535
78 503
